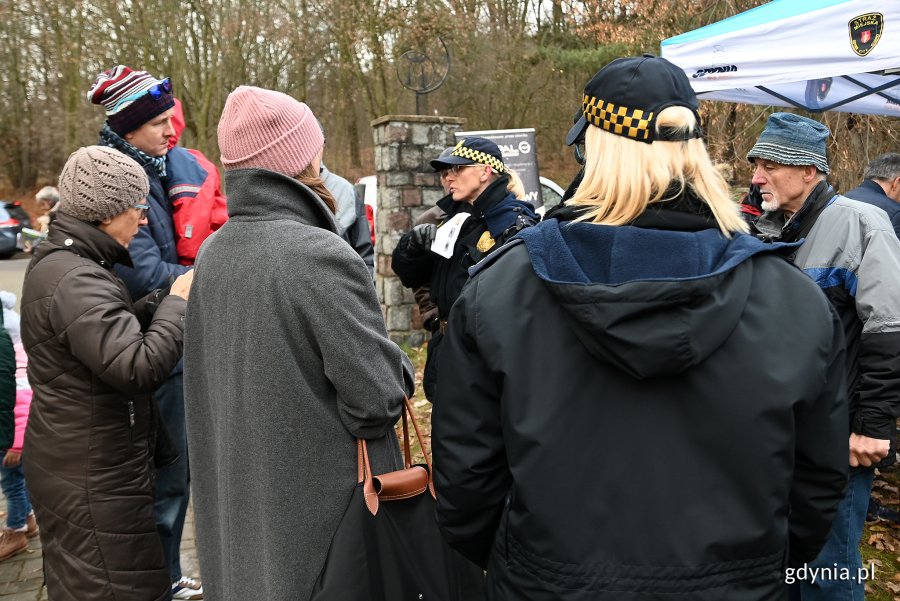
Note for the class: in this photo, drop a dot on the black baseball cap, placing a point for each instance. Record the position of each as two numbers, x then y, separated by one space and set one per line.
470 151
626 96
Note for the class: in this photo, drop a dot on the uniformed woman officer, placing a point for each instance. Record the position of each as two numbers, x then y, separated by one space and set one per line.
482 212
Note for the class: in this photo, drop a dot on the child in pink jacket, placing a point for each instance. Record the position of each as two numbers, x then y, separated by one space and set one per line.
20 522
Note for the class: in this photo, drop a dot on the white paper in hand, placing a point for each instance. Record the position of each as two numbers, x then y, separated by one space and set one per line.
447 234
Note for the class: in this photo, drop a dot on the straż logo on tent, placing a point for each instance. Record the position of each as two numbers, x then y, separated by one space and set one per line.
865 31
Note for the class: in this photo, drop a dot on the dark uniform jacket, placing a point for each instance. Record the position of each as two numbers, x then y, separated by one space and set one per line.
92 429
636 416
496 216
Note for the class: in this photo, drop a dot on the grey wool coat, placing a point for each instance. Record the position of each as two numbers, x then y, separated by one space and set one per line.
286 361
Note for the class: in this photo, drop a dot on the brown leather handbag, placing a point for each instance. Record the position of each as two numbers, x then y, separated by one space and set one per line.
387 546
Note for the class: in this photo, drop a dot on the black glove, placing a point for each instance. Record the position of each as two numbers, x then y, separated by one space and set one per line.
420 238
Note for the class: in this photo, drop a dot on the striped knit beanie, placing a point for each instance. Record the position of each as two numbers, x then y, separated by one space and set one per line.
268 130
790 139
98 182
131 98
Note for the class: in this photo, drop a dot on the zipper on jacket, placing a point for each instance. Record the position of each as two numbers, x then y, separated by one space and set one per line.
506 525
131 425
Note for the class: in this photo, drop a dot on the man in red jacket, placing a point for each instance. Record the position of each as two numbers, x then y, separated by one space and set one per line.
197 211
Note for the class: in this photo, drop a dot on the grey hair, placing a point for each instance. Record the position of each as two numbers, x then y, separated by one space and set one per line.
885 167
48 194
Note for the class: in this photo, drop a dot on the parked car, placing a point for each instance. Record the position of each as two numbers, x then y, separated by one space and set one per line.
18 212
552 193
367 187
10 230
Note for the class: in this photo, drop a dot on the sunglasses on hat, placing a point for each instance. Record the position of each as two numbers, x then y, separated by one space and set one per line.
163 87
155 92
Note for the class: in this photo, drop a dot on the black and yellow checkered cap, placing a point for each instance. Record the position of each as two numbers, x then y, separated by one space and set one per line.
626 96
622 120
472 150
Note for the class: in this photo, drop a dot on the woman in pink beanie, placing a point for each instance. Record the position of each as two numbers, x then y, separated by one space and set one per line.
287 361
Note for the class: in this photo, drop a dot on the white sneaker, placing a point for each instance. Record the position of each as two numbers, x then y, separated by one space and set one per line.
187 588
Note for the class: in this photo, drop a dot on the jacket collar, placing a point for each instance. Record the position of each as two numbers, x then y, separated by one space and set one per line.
83 239
873 186
775 225
263 195
493 194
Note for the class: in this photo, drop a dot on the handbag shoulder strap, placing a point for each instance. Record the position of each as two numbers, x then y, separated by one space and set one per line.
364 472
364 469
425 451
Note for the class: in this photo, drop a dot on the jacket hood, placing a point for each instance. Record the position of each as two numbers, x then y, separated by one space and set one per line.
652 302
178 123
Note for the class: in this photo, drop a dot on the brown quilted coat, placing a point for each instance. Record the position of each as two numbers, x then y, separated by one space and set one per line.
91 433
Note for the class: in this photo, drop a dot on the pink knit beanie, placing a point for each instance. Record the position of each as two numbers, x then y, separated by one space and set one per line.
268 130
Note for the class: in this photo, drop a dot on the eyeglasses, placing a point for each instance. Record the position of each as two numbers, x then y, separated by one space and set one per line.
454 169
143 208
579 152
155 92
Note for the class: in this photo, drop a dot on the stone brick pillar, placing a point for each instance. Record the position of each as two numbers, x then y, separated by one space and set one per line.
407 187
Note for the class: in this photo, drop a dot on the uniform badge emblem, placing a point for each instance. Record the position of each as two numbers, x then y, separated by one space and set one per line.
485 243
865 31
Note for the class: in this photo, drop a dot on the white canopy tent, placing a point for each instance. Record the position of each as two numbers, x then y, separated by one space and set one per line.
816 55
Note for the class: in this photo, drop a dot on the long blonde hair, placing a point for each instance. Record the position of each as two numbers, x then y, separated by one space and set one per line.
622 177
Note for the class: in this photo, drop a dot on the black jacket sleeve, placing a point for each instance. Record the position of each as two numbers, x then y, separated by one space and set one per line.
413 270
472 475
820 469
878 307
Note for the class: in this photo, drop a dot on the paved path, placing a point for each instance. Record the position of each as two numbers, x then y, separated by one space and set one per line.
22 577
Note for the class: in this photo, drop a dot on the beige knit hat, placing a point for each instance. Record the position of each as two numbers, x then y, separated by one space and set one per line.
268 130
98 182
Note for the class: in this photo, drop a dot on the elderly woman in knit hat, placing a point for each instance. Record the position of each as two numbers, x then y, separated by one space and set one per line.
482 211
637 412
95 357
287 362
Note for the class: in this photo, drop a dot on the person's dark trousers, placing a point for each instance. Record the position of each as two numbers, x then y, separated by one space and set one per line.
840 575
173 482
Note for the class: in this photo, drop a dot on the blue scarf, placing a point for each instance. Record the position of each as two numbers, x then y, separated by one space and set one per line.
111 138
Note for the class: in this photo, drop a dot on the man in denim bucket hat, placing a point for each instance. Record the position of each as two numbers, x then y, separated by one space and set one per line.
850 250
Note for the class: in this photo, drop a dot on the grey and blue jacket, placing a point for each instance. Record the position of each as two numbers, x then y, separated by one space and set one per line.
853 254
